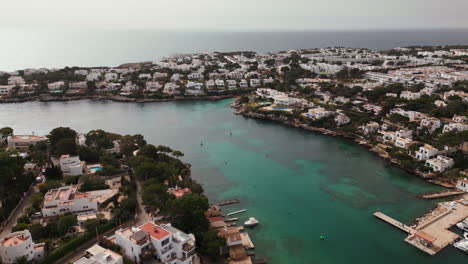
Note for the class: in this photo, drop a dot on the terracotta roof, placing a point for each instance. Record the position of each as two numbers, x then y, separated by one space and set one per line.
154 231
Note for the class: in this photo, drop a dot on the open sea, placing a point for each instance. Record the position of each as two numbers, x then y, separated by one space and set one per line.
298 184
27 48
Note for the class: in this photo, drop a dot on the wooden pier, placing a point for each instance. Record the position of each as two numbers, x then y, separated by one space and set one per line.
226 202
394 222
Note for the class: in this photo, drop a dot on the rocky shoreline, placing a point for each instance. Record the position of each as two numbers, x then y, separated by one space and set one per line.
111 98
349 136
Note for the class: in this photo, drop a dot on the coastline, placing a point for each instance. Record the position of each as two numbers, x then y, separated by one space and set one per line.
112 98
239 110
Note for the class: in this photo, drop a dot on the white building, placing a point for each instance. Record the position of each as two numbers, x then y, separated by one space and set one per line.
153 86
408 95
407 133
166 243
431 123
20 244
427 152
145 76
440 164
16 80
171 89
159 75
220 84
77 85
454 126
317 113
462 185
6 89
231 84
195 76
243 84
255 83
99 255
93 76
440 103
71 165
370 127
67 199
81 72
129 87
56 85
111 76
403 142
342 119
194 88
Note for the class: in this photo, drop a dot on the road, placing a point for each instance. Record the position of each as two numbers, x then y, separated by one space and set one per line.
142 217
18 213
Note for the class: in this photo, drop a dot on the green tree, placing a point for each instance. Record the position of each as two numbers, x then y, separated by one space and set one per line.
188 213
53 173
45 187
60 133
211 243
65 223
66 146
6 131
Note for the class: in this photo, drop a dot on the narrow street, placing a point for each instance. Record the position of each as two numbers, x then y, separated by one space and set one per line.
141 215
18 213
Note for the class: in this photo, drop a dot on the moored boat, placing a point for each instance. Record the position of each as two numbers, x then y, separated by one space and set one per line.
251 222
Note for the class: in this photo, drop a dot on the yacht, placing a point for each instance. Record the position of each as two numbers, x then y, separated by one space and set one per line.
463 225
251 222
462 244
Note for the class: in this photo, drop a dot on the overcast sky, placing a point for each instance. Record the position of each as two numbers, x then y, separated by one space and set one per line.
235 14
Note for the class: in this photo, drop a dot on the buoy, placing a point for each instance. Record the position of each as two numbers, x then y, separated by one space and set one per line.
322 237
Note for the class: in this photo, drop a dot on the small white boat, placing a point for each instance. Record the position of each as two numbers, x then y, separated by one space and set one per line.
462 244
463 225
251 222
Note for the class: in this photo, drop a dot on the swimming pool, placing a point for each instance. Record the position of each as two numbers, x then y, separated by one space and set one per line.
96 168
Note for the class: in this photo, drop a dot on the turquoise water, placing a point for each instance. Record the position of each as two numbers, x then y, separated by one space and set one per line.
298 184
96 168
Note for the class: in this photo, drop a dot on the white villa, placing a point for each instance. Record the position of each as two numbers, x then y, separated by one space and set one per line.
99 255
166 243
440 164
19 244
462 185
71 165
68 199
427 152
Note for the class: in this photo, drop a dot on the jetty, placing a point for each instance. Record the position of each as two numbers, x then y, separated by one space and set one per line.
231 219
431 234
394 222
226 202
442 194
246 241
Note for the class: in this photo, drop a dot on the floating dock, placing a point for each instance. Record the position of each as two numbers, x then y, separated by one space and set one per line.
394 222
237 212
226 202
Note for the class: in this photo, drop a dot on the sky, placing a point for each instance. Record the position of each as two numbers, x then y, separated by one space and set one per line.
245 15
